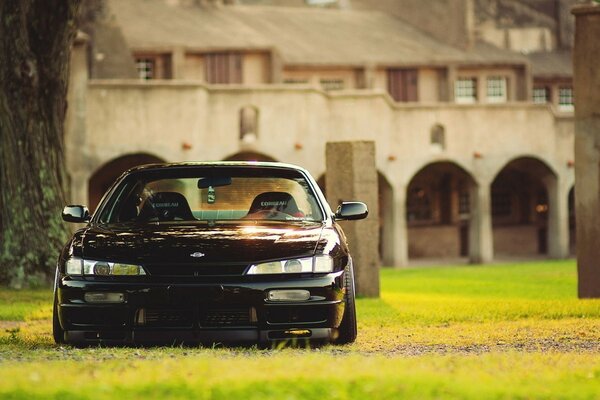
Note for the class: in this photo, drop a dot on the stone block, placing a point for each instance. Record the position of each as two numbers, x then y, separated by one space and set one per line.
352 176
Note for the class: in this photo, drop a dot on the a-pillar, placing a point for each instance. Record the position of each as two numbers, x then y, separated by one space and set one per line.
558 217
352 175
586 59
481 238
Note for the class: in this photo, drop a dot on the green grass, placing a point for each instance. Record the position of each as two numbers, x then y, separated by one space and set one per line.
502 331
18 305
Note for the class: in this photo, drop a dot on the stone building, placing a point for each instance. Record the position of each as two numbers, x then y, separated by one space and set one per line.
474 140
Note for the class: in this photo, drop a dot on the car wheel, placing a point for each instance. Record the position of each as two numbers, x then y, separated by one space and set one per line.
347 331
57 331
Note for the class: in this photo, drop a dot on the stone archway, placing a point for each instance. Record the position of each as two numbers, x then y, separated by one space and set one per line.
438 212
521 207
104 176
249 156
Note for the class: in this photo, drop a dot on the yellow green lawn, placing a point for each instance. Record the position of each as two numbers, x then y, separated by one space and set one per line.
502 331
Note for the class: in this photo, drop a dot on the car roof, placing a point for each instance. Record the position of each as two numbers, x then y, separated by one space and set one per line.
192 164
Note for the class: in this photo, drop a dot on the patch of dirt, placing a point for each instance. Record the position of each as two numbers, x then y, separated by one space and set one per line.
544 346
6 325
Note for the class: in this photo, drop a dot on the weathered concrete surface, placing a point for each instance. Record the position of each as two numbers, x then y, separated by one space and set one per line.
587 147
352 176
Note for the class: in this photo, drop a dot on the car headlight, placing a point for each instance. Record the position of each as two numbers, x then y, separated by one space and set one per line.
78 266
321 263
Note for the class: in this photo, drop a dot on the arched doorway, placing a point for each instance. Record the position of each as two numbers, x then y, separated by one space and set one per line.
249 156
438 207
520 208
104 176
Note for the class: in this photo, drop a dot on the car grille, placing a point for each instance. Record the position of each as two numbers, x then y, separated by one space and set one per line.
167 318
194 270
211 318
224 318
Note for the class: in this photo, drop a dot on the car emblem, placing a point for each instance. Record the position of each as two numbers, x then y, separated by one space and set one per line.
197 254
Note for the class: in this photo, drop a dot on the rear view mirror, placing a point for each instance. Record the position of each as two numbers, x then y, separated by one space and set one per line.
351 210
214 181
76 213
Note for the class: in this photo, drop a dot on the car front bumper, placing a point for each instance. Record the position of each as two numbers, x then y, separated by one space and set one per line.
235 311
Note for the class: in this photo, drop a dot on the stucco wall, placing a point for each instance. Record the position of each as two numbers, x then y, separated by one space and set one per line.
157 117
256 68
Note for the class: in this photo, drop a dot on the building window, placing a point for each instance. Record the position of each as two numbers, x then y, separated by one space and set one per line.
248 124
438 137
223 68
465 90
403 84
153 66
418 205
541 94
332 84
565 99
464 202
146 67
496 89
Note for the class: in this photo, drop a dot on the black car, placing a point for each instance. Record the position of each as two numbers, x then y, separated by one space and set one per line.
204 253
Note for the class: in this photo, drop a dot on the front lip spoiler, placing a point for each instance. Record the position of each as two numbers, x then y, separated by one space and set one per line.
230 336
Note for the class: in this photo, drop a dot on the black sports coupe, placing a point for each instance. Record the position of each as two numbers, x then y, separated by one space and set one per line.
204 253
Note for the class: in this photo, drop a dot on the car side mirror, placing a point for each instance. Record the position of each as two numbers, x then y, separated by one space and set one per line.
76 213
351 210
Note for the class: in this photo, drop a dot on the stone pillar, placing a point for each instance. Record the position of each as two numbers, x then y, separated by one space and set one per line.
401 230
352 176
586 59
178 63
450 81
558 218
388 228
481 237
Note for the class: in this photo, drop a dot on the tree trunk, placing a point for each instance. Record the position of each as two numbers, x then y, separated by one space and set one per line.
35 40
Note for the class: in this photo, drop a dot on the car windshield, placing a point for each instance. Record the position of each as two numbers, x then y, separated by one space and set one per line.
208 194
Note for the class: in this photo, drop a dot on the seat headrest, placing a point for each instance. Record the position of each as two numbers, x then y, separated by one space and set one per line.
280 201
166 206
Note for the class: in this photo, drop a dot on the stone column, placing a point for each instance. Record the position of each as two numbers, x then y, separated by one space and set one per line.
451 76
352 175
178 63
388 220
558 218
481 238
586 59
401 230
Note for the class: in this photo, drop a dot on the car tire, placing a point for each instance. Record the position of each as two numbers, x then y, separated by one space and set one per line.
57 331
348 331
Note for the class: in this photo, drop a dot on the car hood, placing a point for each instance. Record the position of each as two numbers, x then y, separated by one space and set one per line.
201 244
